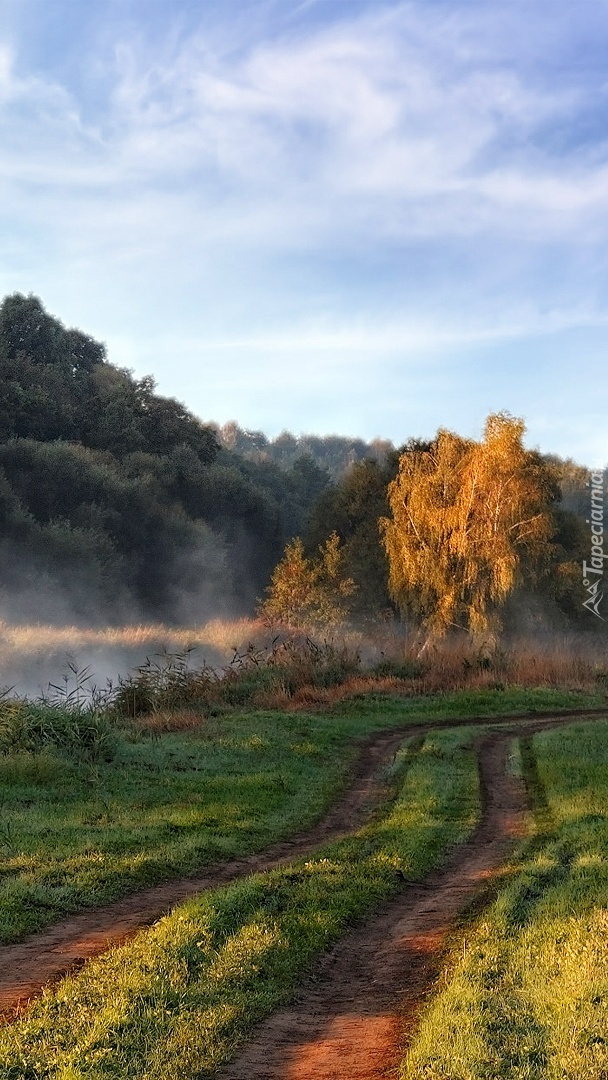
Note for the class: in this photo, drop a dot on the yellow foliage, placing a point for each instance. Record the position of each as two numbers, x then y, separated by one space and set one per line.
467 518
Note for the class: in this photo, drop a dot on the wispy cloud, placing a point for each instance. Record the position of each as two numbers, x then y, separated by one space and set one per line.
307 178
387 106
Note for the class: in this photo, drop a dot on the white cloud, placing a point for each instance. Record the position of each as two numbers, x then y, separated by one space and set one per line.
378 185
358 124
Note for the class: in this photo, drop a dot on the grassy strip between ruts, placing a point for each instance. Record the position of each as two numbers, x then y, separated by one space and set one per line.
527 996
178 1000
76 833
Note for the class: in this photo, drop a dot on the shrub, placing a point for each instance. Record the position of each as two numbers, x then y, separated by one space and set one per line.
34 726
167 682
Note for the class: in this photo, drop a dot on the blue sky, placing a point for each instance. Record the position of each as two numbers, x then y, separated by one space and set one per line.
344 216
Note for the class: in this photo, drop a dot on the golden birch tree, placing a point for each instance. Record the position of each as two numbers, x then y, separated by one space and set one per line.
468 519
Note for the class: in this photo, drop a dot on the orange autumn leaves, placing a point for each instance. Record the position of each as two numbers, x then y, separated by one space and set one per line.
469 521
308 592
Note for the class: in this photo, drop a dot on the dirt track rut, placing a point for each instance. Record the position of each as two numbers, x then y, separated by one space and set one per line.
353 1018
347 1023
26 967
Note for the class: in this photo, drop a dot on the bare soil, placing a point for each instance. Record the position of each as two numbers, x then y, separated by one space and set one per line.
390 960
353 1018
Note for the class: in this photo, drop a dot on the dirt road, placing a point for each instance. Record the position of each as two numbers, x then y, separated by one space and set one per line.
408 934
349 1021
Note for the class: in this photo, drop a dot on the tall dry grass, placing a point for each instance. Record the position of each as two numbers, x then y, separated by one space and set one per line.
565 663
386 661
37 638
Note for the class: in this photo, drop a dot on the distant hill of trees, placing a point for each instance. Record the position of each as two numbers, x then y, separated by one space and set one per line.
332 453
118 504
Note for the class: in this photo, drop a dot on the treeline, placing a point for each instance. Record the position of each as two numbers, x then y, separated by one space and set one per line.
117 504
448 535
332 453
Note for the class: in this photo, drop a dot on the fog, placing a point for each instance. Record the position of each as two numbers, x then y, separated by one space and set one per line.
50 625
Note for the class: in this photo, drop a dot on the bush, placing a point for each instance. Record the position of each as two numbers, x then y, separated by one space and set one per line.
34 726
168 682
163 684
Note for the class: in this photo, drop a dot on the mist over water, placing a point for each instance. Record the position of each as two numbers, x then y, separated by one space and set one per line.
49 625
36 658
50 661
56 634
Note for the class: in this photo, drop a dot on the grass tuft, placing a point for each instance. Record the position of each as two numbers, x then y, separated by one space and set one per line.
30 727
527 994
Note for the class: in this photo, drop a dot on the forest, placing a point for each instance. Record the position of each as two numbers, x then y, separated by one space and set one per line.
374 840
118 504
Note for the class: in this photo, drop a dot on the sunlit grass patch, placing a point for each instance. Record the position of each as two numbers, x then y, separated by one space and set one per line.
224 635
75 833
190 791
527 994
177 1001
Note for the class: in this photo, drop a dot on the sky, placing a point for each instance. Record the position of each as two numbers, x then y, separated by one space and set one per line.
333 216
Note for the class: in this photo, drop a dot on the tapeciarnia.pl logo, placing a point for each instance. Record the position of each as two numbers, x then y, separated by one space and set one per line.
593 571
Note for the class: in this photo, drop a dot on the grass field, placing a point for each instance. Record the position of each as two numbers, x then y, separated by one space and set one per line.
95 804
176 1001
75 833
525 994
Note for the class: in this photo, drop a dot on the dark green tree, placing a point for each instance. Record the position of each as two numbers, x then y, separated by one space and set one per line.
352 509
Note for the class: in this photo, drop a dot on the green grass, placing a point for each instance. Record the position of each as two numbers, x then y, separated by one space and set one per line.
76 832
527 994
470 703
178 1000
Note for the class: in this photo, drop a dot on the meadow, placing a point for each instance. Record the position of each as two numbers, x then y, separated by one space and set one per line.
177 1001
183 767
80 827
